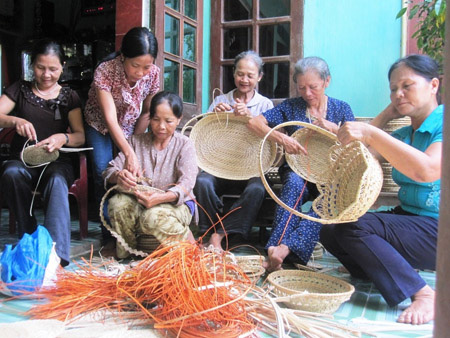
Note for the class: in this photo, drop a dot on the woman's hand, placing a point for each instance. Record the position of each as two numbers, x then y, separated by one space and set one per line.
354 131
291 146
222 107
132 164
327 125
52 143
26 129
148 198
126 179
240 109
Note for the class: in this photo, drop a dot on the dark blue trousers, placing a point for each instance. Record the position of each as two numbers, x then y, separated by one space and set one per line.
386 248
18 183
208 190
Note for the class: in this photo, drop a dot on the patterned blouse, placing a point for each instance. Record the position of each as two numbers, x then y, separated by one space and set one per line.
171 169
295 110
110 76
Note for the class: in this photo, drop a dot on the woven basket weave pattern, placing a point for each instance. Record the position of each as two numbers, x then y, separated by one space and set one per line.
310 291
35 156
227 149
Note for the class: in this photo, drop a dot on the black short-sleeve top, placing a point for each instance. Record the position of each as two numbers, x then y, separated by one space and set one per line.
47 116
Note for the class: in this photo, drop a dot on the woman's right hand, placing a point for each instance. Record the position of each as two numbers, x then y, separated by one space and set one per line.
291 146
222 107
26 129
126 179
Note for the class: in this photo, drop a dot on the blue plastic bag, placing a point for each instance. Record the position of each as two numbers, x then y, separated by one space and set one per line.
23 267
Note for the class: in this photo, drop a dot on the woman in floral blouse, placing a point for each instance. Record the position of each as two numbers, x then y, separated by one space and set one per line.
119 101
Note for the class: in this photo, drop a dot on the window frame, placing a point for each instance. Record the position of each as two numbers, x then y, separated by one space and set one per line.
296 40
189 109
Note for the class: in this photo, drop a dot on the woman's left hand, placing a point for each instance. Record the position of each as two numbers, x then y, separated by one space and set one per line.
148 198
240 108
132 164
52 143
327 125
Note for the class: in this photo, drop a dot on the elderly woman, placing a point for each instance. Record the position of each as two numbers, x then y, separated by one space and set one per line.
244 100
387 247
292 235
42 111
169 162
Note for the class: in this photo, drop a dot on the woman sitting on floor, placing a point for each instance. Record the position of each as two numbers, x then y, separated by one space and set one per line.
168 160
387 247
312 77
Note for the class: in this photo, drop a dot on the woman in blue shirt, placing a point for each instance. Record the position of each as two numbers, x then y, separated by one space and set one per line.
388 247
291 236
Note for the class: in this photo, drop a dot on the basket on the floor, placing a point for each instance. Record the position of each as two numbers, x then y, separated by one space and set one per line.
226 148
349 181
251 265
310 291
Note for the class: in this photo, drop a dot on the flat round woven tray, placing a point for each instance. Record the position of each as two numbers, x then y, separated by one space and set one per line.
36 156
319 144
251 265
227 149
310 291
351 183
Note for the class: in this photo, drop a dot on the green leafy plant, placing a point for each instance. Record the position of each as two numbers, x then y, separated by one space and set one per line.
430 33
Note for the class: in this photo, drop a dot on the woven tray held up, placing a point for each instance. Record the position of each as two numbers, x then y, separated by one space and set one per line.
348 178
226 148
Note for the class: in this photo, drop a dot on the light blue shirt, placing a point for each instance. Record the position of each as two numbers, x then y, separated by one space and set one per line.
415 197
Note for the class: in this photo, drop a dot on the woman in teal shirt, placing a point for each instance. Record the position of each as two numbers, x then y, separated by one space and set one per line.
388 247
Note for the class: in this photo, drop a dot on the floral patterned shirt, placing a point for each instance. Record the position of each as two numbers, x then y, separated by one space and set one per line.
416 197
110 76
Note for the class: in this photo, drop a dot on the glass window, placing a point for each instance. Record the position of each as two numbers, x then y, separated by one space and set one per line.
189 42
171 35
174 4
236 40
171 73
237 10
189 85
275 81
274 39
271 9
190 9
228 79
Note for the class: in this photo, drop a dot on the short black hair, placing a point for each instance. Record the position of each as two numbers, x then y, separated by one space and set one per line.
172 99
422 65
46 47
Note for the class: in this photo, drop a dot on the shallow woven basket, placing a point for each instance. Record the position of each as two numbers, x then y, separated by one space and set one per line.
36 156
348 185
226 148
251 265
310 291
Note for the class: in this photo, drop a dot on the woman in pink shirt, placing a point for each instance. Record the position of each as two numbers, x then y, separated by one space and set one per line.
119 101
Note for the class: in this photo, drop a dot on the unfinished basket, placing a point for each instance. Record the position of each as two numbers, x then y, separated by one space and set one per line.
310 291
38 156
226 148
252 266
319 143
348 185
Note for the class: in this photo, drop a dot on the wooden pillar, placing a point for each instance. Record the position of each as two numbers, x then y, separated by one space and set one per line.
128 15
441 327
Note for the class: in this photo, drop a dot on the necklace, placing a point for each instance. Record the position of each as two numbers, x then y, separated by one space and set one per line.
45 94
322 112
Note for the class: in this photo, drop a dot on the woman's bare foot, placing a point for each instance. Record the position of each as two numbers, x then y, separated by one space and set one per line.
277 254
215 240
421 310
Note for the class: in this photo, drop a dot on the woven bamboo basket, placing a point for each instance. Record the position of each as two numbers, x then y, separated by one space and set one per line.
226 148
252 266
310 291
349 184
38 156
